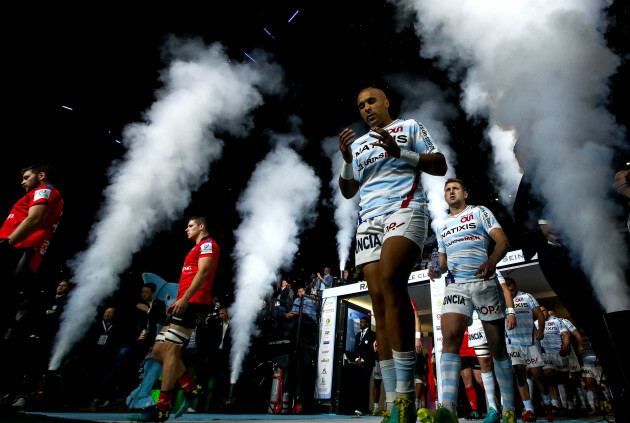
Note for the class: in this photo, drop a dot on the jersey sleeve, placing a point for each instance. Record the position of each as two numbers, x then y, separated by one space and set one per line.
532 301
423 143
207 249
500 277
440 243
488 221
41 196
570 326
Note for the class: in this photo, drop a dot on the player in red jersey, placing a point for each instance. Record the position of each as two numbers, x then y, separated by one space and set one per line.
189 309
27 231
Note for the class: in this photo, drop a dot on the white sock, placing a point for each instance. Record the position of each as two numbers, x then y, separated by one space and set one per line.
488 385
530 383
528 405
556 403
591 399
563 395
546 399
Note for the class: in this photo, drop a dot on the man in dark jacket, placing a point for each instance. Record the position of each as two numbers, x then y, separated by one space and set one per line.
364 348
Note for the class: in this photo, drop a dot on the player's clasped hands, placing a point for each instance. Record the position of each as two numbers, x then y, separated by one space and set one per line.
385 141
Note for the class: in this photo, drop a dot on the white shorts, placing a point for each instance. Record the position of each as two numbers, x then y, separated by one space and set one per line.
553 361
376 371
484 296
476 335
372 233
527 355
590 369
573 363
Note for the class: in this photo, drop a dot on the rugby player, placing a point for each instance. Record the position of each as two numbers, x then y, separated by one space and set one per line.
463 241
384 167
555 344
525 354
191 307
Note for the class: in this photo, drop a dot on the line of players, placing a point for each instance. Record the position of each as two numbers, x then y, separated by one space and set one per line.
543 358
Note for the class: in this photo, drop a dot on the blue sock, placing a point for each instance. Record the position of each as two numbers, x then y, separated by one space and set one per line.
405 364
388 371
450 368
505 379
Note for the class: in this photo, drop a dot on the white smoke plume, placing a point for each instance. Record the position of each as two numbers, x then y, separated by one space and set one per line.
346 211
278 202
426 103
541 69
165 161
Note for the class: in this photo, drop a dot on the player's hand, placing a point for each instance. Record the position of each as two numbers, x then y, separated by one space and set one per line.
552 235
510 321
418 345
564 351
346 138
540 334
375 347
485 270
359 362
580 350
431 273
177 307
385 141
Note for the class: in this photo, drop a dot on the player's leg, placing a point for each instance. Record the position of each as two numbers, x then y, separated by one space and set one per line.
495 333
453 328
469 387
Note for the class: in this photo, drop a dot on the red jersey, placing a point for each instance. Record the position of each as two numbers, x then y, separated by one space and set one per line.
465 350
40 238
413 304
205 248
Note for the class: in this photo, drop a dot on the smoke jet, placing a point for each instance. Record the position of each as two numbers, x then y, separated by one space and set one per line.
278 202
541 69
165 161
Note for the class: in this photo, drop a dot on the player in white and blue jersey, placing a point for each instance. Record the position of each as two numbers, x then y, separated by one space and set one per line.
384 167
525 354
472 284
555 343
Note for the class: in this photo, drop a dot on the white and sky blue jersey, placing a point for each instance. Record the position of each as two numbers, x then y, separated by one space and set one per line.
552 342
567 323
523 333
464 238
386 183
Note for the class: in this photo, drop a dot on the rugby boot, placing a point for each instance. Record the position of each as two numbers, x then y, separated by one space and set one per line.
528 416
509 417
404 411
441 415
188 399
474 415
152 414
549 412
492 416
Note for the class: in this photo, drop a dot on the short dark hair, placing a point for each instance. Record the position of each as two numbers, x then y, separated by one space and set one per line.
457 181
46 168
367 319
151 286
509 280
200 220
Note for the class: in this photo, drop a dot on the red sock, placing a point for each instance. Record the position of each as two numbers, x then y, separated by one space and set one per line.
187 381
164 400
472 397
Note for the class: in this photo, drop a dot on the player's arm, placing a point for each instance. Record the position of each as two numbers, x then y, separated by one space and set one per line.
579 339
347 184
36 215
418 332
500 249
510 319
540 318
566 342
205 266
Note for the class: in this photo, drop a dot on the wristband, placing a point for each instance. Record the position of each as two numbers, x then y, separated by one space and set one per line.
543 222
346 171
410 157
418 335
510 310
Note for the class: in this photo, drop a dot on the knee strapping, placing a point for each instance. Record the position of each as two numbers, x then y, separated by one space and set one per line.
175 337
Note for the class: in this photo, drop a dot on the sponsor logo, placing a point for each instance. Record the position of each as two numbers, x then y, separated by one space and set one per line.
326 342
206 248
328 321
519 299
438 328
325 360
466 218
475 336
368 241
514 354
531 361
41 194
465 238
400 139
521 305
454 299
488 310
395 130
439 315
446 232
363 286
324 372
186 268
327 332
11 216
372 160
44 247
325 351
393 226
